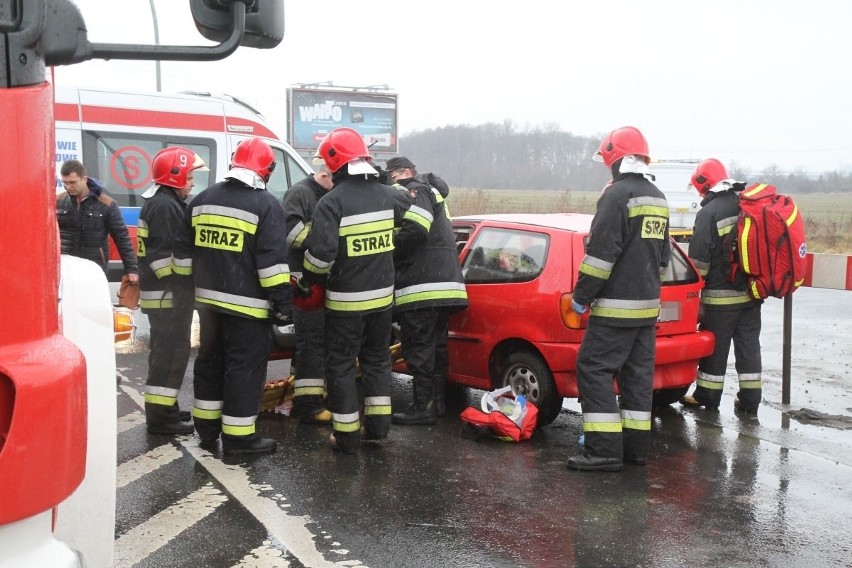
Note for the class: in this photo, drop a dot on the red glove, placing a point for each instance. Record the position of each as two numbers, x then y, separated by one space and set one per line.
307 297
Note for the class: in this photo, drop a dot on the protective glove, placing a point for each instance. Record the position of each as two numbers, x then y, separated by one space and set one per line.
579 308
307 297
280 315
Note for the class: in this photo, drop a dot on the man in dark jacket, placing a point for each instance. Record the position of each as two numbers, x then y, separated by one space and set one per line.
87 218
165 297
309 387
727 308
429 287
627 248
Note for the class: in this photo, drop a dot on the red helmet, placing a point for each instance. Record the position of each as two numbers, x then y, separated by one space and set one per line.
624 141
254 154
341 146
707 175
172 165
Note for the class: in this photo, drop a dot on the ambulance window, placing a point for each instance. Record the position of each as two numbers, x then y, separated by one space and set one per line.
287 172
122 162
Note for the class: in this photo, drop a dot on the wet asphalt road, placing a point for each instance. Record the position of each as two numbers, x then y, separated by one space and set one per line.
719 490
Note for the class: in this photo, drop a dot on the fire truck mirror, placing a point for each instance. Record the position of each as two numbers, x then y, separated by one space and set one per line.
264 21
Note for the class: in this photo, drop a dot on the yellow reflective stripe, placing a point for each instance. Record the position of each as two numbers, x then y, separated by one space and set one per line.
754 291
206 414
432 295
160 399
259 313
751 384
651 210
274 280
315 265
345 422
593 271
164 271
358 305
724 301
141 232
743 248
634 424
368 227
602 426
223 221
793 216
625 312
306 391
238 430
154 304
725 230
182 266
377 410
756 189
709 384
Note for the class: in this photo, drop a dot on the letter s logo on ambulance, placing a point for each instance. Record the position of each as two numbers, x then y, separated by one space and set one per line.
362 245
218 238
654 227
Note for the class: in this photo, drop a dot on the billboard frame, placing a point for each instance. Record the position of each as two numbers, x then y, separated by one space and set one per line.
312 112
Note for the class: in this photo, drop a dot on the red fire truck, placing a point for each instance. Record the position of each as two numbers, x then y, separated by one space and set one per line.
56 323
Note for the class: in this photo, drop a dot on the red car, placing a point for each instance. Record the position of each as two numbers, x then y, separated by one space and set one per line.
520 270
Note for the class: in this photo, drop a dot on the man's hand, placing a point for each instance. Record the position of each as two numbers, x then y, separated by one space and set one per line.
133 278
280 315
579 308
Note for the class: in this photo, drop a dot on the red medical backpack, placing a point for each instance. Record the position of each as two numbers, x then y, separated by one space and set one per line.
770 250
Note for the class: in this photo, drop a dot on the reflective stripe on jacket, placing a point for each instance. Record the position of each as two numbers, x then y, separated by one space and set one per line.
232 242
627 246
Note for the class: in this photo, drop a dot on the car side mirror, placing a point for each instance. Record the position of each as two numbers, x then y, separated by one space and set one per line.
264 21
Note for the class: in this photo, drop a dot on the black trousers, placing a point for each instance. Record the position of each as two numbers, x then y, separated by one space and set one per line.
742 327
309 387
367 337
627 355
229 376
170 349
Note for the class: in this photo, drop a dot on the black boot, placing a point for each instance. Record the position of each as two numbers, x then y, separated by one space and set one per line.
589 462
257 446
440 401
416 415
165 420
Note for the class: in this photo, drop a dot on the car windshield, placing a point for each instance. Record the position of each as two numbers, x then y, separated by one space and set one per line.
505 255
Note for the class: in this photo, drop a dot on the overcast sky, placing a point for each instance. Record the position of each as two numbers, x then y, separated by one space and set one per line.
748 81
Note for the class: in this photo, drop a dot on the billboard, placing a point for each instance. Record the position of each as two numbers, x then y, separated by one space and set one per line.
313 113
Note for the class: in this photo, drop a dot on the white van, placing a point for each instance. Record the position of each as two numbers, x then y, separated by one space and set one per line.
116 134
672 178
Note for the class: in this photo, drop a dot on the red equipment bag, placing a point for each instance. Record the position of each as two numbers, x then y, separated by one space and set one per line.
770 250
500 425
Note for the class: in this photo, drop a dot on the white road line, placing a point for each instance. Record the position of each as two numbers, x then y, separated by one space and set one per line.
132 470
287 529
134 394
138 543
265 556
129 421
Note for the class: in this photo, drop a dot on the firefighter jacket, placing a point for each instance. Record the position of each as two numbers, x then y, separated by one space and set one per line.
710 250
159 220
299 203
231 241
84 229
428 273
351 243
627 247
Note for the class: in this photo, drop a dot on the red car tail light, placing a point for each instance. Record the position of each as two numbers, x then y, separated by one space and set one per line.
570 318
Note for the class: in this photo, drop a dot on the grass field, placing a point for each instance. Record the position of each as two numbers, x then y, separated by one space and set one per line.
828 216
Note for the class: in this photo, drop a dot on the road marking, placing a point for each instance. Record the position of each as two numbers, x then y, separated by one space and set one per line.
132 470
265 556
287 529
129 421
145 539
134 394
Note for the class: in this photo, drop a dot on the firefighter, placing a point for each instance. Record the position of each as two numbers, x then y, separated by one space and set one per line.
626 250
348 268
429 287
231 242
309 387
726 308
166 298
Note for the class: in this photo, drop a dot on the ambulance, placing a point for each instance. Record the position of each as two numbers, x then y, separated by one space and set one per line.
116 134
